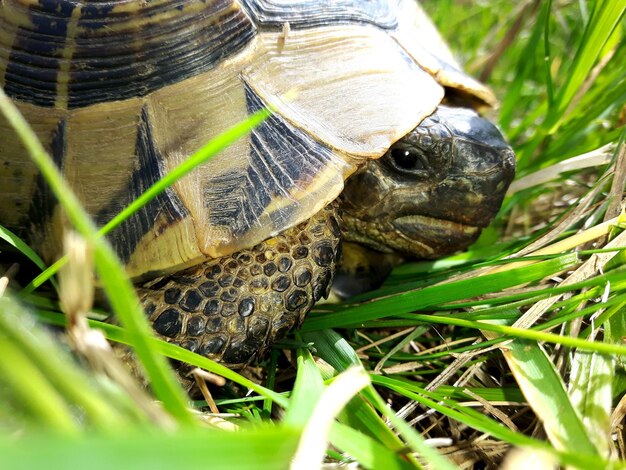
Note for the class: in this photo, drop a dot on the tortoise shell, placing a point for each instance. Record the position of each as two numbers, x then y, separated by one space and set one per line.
122 91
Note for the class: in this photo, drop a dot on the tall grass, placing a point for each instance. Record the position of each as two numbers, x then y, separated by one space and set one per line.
515 344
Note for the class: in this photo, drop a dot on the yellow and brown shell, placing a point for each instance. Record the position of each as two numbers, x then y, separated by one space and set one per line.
121 91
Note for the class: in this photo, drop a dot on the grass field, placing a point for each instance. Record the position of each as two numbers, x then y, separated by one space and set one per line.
511 351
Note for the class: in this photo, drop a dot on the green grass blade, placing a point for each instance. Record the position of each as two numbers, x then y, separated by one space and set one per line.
19 376
359 412
115 333
333 348
120 291
336 351
548 56
525 72
201 156
42 277
367 451
103 411
19 244
545 392
184 355
198 158
15 241
604 19
126 306
255 449
413 438
482 423
45 164
572 342
307 389
438 294
327 406
465 415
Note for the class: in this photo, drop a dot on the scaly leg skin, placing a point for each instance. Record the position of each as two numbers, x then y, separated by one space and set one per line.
233 308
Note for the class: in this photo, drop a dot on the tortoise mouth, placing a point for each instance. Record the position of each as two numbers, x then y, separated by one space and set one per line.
415 224
431 237
414 236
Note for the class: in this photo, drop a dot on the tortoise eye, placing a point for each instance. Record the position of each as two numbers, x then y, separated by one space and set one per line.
405 160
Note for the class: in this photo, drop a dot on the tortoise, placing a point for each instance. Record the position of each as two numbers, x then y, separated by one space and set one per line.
235 254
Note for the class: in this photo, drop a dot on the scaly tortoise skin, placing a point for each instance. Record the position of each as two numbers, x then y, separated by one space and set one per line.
232 256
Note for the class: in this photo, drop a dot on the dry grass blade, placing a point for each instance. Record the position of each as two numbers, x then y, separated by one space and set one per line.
590 389
201 377
595 158
589 268
526 10
616 203
76 285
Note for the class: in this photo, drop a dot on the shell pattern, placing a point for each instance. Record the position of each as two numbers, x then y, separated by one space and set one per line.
120 92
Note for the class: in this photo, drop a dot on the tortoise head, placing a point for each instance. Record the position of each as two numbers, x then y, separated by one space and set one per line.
434 190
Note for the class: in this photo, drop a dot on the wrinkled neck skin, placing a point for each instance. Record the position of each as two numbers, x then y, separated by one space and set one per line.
429 196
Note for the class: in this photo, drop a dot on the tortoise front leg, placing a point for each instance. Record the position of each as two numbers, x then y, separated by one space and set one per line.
233 308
